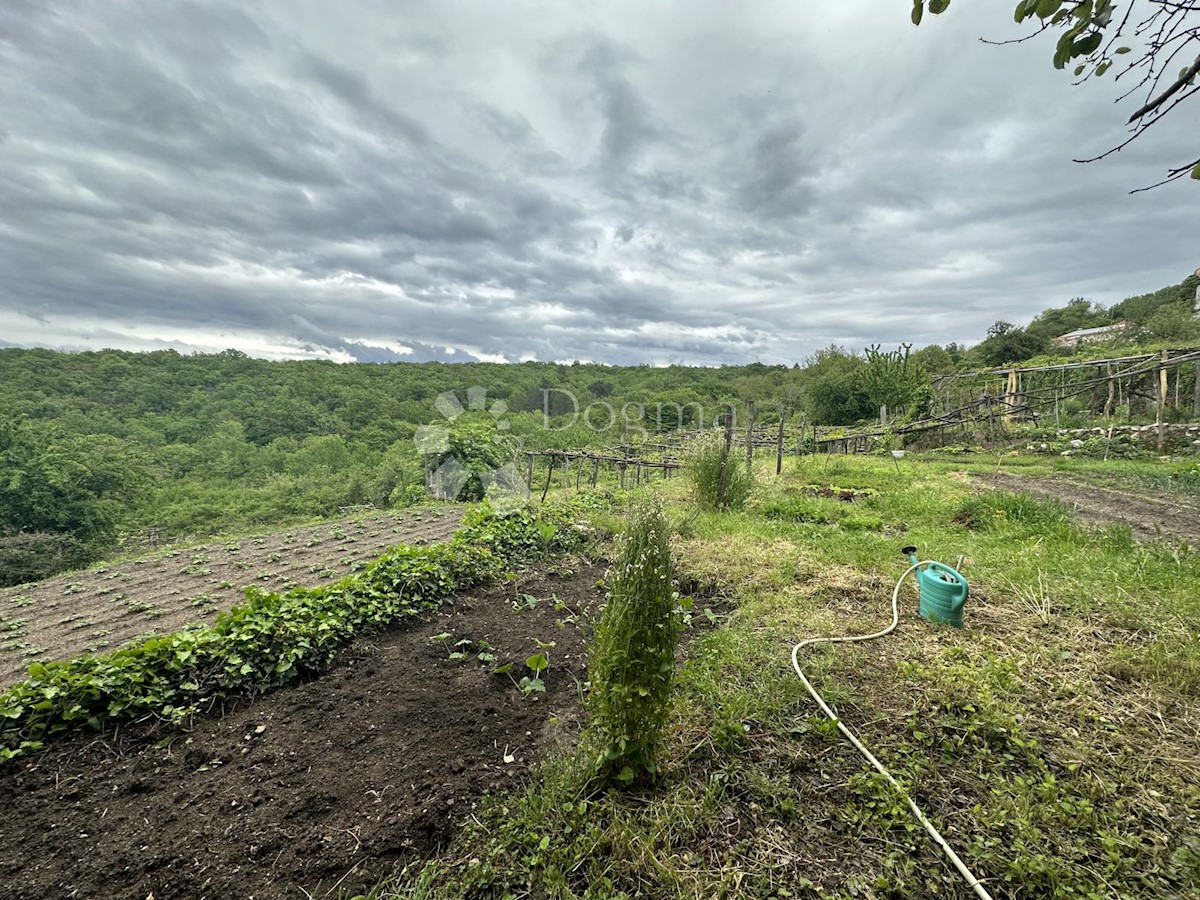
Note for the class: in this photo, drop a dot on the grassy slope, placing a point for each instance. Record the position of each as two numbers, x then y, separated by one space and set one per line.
1053 740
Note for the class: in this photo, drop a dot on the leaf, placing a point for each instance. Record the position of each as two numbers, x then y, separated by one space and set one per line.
1079 69
918 11
1021 12
1047 8
937 7
537 662
1196 172
1102 68
1121 51
1087 44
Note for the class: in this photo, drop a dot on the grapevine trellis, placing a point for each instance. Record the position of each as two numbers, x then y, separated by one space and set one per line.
990 398
1035 393
624 463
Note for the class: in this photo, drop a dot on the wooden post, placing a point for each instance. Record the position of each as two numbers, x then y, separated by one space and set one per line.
1196 392
1162 399
549 475
883 414
749 434
779 444
529 472
1010 391
595 471
1108 402
722 477
621 471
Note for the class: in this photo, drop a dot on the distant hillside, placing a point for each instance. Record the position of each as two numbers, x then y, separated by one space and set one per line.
1166 316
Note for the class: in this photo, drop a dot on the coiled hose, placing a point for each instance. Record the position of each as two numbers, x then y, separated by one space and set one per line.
966 873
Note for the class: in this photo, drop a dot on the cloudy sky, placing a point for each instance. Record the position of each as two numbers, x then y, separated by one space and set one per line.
642 182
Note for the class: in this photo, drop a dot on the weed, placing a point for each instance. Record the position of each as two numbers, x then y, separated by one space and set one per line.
718 482
525 602
537 664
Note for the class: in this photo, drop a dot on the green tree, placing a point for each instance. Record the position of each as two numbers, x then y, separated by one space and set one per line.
75 487
891 378
833 392
1078 313
1006 343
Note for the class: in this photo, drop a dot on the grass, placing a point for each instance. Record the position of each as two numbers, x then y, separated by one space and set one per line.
1053 739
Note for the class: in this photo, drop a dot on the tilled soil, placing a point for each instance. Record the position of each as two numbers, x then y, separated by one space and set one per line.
312 790
1149 515
105 608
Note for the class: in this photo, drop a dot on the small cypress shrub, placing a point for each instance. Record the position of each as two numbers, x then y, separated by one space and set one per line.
703 468
633 655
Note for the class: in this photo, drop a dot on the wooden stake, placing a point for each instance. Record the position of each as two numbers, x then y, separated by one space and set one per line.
749 434
1162 401
1009 392
1108 402
779 444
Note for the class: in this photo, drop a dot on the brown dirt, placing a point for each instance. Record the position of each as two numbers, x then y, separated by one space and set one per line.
1149 515
105 608
313 790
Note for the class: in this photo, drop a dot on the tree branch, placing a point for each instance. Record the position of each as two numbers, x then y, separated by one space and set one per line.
1162 98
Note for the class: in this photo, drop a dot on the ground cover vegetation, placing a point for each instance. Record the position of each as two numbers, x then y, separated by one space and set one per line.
1052 739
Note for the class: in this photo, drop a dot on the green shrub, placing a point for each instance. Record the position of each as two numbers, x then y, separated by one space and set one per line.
633 655
703 468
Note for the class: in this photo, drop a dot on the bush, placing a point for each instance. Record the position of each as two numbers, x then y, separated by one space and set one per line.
32 556
703 468
633 656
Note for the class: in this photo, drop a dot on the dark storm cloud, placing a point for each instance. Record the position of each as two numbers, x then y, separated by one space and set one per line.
629 184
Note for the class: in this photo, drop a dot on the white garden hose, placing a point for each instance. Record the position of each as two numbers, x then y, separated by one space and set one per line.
870 757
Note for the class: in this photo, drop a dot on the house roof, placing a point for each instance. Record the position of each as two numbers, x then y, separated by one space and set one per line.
1100 329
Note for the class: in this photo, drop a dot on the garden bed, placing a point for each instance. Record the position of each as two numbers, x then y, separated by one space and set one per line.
104 608
321 788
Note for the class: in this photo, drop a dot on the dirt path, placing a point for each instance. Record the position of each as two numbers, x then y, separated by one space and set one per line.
1150 515
312 790
105 608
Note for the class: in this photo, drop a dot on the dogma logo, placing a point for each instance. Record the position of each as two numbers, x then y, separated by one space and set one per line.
467 460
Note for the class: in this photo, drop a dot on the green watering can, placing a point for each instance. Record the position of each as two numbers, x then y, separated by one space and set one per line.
943 591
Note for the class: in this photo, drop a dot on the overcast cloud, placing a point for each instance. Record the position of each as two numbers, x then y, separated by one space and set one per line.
699 182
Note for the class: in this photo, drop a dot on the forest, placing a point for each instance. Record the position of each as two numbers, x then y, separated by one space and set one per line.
111 453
